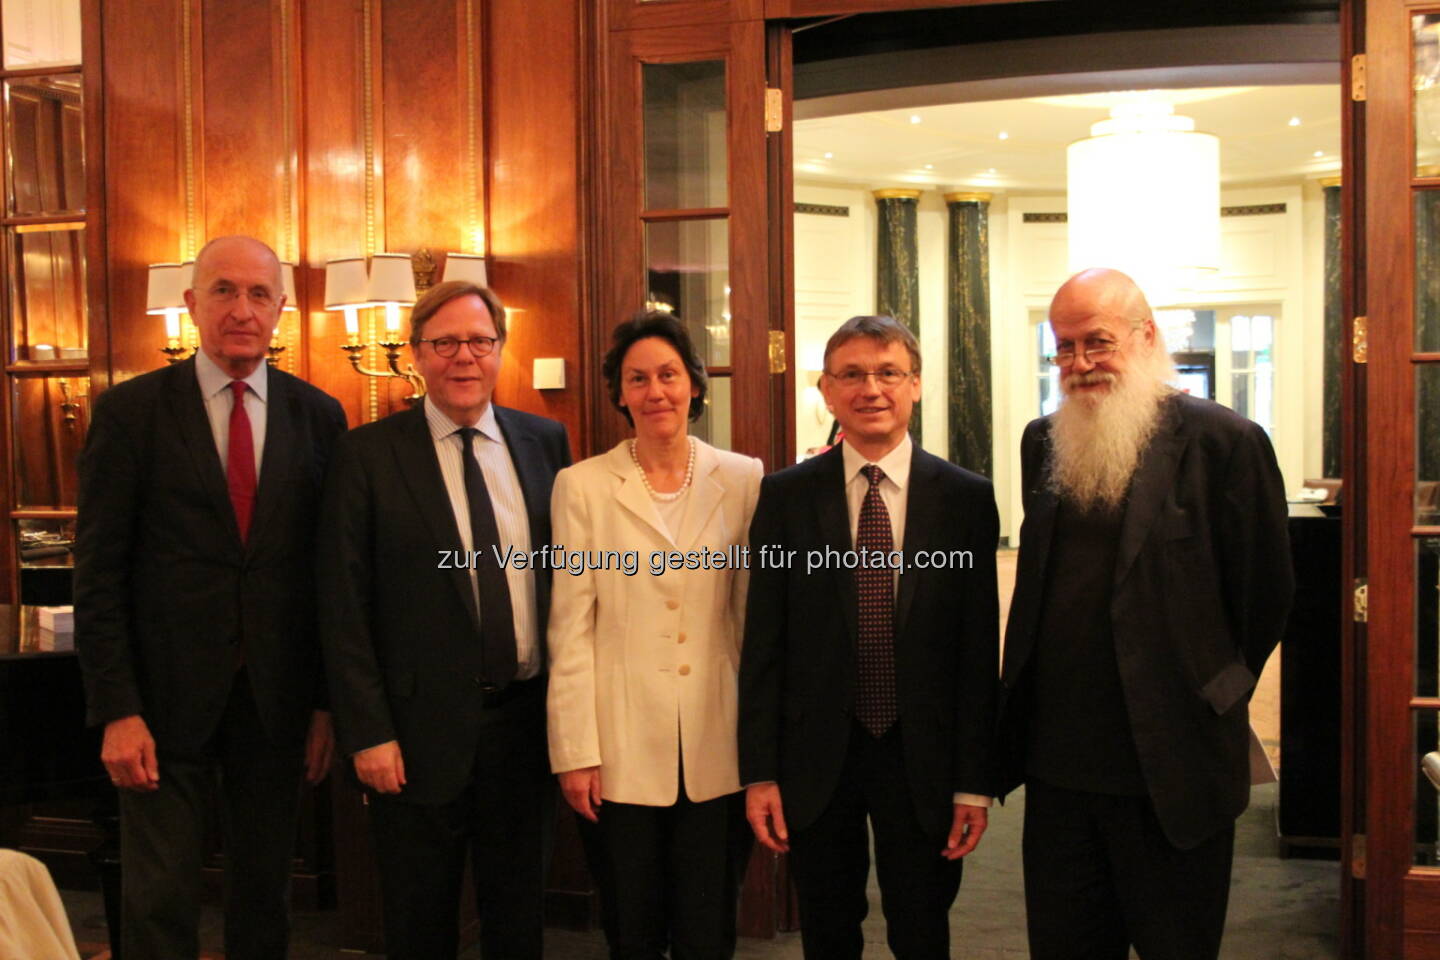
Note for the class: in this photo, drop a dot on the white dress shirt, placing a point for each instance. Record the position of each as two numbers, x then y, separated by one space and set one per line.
219 401
511 519
896 467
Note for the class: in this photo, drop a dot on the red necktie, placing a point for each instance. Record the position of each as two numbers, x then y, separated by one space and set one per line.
875 705
240 461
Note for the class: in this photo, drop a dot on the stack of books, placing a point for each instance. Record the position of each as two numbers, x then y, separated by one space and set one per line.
57 628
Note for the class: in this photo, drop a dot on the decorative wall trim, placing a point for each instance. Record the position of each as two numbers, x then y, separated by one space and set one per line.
823 209
289 242
896 194
473 241
1253 210
190 241
1047 218
367 102
968 196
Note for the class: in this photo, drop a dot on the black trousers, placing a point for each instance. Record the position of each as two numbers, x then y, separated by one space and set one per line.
669 877
830 860
501 821
161 834
1100 876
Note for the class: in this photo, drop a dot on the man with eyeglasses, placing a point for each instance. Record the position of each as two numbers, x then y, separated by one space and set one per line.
195 612
434 648
1154 580
867 690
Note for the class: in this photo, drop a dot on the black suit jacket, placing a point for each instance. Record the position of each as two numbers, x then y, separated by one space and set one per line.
1203 583
797 667
164 588
401 635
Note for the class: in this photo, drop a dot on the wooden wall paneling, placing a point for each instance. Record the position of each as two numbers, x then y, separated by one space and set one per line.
777 9
242 139
92 20
533 193
335 112
144 98
636 14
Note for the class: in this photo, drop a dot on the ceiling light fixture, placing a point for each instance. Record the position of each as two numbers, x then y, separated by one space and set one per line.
829 155
1294 121
1144 197
1318 154
1004 135
914 118
929 166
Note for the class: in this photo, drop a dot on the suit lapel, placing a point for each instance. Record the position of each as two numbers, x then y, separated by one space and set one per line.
420 468
1153 480
921 509
188 409
281 417
632 494
706 492
833 516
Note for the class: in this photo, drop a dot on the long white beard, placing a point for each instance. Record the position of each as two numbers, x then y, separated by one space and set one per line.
1096 441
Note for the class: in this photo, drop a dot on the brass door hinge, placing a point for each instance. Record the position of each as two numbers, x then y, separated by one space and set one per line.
774 110
1357 78
1360 340
1360 605
777 351
1357 856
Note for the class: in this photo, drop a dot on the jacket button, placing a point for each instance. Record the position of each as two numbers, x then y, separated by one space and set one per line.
672 604
684 670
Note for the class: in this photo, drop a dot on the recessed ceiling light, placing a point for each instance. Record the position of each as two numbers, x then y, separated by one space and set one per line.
929 166
1004 135
1318 153
1294 121
829 155
914 118
991 170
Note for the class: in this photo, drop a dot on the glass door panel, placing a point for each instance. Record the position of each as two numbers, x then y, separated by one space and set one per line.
685 151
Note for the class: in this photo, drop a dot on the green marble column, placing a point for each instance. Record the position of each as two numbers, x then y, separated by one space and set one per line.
968 292
1335 346
1427 332
897 268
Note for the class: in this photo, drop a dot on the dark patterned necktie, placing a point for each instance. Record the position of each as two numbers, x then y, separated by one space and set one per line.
497 618
875 659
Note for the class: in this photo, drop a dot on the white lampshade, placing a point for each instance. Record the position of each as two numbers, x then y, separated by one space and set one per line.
346 283
469 267
287 277
391 280
1144 198
165 287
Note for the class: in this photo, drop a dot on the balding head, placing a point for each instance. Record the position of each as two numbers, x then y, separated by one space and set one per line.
1101 290
235 297
220 246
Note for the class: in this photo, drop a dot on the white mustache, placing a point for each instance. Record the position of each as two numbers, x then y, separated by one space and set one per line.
1087 379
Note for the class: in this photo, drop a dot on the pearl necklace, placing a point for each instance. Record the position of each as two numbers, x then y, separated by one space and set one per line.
689 474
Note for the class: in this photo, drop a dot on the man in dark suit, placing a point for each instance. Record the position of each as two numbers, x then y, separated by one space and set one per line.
194 610
1154 580
434 647
867 690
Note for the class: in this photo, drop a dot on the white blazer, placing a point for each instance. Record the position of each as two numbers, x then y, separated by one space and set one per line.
644 668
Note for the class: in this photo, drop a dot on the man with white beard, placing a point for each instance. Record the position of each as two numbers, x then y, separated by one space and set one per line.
1153 581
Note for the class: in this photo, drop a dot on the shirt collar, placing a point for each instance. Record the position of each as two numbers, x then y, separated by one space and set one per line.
895 464
441 426
213 379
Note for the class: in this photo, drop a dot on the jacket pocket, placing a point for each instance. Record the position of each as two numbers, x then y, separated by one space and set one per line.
1227 687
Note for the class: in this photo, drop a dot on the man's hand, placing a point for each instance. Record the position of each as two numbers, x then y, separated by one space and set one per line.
582 791
381 768
319 746
965 830
767 816
128 753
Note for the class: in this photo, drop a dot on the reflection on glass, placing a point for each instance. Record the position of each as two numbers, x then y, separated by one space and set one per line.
1252 369
47 293
1427 445
46 543
1427 617
40 33
688 274
1425 31
685 165
1427 797
44 136
713 426
50 415
1427 271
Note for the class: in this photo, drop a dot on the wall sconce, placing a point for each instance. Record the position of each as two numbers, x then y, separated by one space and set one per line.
165 295
468 267
287 284
389 283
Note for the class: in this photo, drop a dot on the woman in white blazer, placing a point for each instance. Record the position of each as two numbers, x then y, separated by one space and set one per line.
644 656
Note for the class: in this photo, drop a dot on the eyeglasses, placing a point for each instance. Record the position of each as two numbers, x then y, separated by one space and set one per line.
447 347
1095 351
853 379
